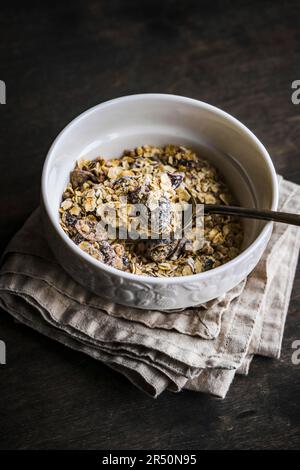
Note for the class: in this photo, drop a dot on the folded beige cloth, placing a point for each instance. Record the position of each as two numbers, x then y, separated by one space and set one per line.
200 348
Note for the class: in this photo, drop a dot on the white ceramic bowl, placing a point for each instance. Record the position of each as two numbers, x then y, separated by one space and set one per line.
159 119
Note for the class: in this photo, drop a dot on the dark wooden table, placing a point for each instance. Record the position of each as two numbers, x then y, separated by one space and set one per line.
59 59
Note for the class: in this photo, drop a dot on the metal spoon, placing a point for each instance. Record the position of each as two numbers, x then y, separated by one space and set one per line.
284 217
251 213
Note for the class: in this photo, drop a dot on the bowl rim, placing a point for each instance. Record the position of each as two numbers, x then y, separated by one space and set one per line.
265 232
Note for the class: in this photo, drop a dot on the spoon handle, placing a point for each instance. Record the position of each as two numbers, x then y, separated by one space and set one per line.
293 219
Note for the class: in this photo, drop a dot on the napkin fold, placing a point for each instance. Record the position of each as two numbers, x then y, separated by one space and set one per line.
200 348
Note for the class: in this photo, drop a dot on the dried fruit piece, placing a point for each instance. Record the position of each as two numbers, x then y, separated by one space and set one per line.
176 179
78 177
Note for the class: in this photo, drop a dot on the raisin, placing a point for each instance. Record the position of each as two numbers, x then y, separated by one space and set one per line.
71 219
134 196
176 179
125 261
122 181
108 252
78 238
208 263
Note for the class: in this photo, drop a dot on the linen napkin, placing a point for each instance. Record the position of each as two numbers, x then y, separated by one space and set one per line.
199 348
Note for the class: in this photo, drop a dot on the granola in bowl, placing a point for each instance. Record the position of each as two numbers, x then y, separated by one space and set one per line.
155 178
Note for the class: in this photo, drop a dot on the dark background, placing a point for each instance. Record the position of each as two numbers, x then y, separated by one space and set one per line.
57 60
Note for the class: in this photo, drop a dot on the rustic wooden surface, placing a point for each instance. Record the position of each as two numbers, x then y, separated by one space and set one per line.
59 59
